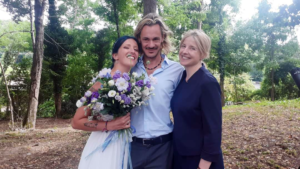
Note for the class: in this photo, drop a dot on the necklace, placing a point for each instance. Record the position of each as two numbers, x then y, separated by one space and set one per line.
148 62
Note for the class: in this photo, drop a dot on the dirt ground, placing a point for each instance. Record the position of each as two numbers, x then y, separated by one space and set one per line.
262 137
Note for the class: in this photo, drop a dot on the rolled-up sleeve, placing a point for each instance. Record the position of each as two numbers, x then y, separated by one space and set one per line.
211 108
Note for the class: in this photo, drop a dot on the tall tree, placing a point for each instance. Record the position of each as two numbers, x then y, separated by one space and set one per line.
36 69
121 13
272 32
56 49
149 6
9 98
102 46
217 18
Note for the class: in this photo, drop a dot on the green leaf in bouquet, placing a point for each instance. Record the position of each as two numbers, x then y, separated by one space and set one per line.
105 89
100 80
105 111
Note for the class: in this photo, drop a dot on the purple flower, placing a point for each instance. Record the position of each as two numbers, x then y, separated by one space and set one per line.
148 84
125 76
107 76
129 87
95 95
127 100
139 83
117 75
123 96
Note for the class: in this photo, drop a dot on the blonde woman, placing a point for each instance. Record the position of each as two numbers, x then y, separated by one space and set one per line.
197 109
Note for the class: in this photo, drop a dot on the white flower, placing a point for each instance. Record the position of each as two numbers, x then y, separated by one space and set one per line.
98 106
146 92
153 80
94 80
83 99
111 83
121 84
79 103
88 93
104 72
152 88
118 98
107 117
94 100
112 93
134 74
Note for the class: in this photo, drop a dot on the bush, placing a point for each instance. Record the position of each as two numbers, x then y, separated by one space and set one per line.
46 109
238 88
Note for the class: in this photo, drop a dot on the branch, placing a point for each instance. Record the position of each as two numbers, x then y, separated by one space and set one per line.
56 44
12 32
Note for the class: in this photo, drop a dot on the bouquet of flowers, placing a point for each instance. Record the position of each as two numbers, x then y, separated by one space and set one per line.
118 95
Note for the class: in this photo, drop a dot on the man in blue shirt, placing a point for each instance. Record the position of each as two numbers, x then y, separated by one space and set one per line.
152 141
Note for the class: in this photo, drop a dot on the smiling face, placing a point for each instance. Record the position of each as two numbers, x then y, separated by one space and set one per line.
189 53
151 40
127 54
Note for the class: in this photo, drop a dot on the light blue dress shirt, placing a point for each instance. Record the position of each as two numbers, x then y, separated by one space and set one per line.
153 120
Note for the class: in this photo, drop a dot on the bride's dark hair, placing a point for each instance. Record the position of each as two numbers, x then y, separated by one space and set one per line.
119 43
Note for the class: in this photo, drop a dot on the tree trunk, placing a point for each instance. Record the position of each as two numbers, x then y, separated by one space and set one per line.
221 53
31 24
115 3
10 102
272 70
200 22
36 68
58 99
149 6
273 86
75 14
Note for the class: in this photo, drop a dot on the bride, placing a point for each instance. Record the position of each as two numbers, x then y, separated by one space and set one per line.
125 54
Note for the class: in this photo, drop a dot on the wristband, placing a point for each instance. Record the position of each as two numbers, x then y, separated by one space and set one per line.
105 128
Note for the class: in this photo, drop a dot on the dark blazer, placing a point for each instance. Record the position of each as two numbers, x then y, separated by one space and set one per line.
197 111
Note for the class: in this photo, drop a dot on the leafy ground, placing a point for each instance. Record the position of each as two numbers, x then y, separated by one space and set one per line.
256 135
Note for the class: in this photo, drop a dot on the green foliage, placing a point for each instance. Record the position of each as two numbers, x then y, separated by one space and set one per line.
18 8
80 71
46 109
103 43
18 41
267 103
287 89
20 78
119 13
238 88
77 14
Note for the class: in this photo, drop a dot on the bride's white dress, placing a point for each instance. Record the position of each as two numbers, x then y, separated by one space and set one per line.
115 156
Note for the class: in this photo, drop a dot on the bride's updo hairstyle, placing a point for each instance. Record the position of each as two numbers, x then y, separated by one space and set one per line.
119 43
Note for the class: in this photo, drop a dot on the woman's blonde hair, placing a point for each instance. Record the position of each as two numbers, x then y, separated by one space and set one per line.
153 19
202 40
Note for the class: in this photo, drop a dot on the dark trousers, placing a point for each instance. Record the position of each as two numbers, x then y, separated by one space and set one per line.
152 157
192 162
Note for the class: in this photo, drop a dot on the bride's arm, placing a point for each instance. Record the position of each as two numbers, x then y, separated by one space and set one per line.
81 122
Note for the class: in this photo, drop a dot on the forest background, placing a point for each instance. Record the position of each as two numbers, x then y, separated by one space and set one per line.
51 49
